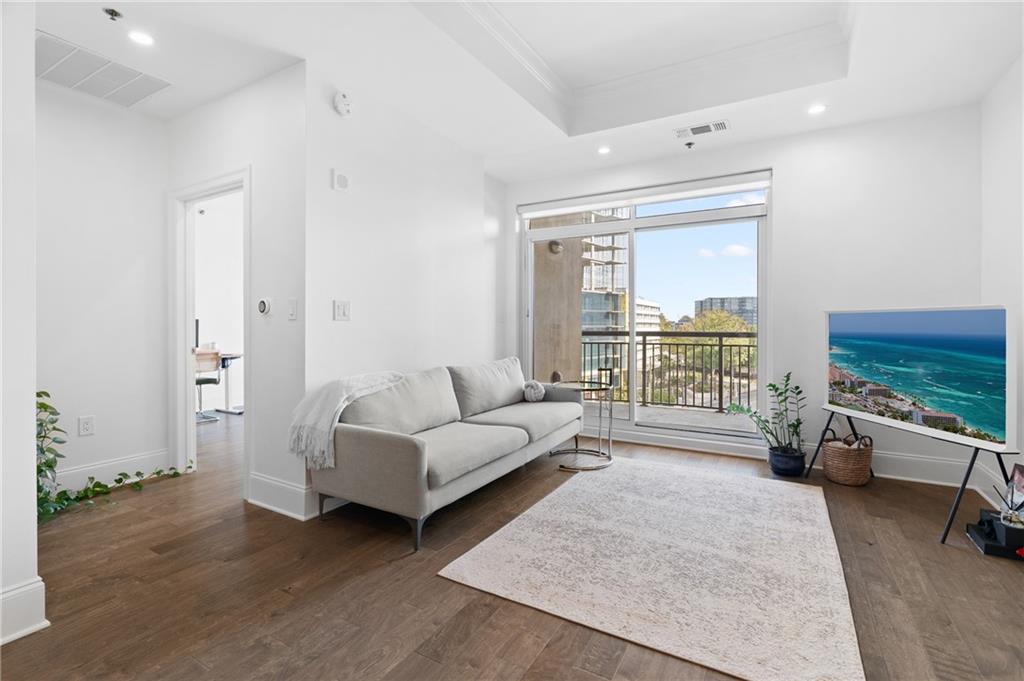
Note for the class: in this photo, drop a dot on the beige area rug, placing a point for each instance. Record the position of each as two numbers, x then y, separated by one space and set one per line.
735 573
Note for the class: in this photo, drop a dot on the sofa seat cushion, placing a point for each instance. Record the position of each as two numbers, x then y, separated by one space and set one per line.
419 401
483 387
536 418
457 448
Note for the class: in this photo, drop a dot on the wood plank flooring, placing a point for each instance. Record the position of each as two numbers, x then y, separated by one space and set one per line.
185 581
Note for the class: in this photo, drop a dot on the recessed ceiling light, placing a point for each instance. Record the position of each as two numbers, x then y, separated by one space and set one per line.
816 109
141 38
604 150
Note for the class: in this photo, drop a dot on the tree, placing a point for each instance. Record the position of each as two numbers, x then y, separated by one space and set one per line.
717 320
664 324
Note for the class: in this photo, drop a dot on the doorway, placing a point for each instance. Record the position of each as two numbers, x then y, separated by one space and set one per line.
219 324
211 343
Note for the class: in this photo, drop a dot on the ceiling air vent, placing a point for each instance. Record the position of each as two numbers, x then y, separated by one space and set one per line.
67 64
702 129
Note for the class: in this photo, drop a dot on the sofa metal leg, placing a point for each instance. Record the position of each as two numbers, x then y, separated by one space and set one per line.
322 498
416 525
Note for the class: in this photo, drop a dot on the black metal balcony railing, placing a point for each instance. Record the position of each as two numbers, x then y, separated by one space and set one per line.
699 369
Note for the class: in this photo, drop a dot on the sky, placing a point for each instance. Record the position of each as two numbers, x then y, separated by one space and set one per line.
677 266
921 322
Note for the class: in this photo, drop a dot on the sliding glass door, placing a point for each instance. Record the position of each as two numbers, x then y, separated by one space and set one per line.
659 297
696 329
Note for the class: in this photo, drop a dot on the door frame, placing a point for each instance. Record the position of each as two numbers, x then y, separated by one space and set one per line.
181 269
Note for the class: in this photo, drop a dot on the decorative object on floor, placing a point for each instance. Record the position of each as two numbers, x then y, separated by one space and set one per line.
652 553
533 391
847 461
603 451
781 429
993 538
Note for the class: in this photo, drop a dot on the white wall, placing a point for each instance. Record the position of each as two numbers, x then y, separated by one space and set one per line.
102 285
219 289
262 127
408 243
875 215
22 593
1002 248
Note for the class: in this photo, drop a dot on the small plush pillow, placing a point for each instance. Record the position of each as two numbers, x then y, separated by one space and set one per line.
533 391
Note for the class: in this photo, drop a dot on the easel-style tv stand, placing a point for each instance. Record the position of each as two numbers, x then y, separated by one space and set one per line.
998 449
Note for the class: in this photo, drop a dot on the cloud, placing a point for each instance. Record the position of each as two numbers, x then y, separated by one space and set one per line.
746 199
737 251
705 253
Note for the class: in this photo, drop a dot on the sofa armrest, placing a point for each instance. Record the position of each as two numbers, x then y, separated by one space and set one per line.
553 393
376 468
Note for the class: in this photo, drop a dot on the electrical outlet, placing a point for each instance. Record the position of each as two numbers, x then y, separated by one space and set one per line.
86 425
342 311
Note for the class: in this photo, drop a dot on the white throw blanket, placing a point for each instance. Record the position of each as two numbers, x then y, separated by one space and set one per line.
311 435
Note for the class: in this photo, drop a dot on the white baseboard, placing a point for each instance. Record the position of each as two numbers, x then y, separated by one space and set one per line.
76 477
931 470
22 610
279 496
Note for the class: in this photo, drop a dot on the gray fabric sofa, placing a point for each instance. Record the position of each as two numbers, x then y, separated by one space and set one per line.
441 434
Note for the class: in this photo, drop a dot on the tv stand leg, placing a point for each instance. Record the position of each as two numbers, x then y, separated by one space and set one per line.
959 495
1002 467
821 440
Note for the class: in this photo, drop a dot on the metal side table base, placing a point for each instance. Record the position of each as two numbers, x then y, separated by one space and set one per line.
601 452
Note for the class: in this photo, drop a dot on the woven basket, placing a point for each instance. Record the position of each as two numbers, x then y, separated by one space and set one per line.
848 461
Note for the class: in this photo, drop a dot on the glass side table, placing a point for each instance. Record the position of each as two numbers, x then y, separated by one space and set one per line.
604 447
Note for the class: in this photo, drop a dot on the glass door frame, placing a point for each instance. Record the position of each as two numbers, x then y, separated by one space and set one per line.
630 226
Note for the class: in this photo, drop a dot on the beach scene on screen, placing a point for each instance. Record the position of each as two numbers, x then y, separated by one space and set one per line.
941 369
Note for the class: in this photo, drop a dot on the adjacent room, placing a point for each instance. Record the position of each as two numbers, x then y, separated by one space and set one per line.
616 341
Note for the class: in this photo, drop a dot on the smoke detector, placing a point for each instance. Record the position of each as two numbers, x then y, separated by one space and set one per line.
701 129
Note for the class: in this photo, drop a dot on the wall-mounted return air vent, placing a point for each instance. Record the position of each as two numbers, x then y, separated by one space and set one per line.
702 129
67 64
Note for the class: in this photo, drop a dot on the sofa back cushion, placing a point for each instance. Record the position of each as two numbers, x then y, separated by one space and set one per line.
420 401
488 386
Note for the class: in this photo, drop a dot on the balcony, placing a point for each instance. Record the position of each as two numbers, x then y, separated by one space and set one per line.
685 380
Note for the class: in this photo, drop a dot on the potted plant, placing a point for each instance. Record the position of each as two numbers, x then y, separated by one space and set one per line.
781 429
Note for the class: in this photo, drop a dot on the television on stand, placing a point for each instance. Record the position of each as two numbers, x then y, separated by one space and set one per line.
946 373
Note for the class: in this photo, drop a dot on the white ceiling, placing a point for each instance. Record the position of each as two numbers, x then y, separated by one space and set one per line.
199 65
904 58
535 88
590 43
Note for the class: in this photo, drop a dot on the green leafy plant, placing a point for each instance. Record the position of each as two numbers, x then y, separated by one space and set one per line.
50 499
781 428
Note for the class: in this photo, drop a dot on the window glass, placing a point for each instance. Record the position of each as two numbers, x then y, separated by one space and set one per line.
750 198
584 217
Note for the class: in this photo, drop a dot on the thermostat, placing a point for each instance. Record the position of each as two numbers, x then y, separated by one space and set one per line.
263 306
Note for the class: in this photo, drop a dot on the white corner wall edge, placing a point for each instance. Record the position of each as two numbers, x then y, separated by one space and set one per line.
22 610
299 502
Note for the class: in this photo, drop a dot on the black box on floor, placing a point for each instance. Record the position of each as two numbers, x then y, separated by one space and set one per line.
983 534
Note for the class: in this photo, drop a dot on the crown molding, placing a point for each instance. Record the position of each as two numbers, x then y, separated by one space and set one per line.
492 21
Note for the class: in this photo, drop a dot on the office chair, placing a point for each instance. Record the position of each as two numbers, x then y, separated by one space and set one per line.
206 362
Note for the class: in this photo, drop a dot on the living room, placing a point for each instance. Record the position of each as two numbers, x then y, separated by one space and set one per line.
513 300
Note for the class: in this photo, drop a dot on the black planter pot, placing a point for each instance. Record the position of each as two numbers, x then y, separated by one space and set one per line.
786 462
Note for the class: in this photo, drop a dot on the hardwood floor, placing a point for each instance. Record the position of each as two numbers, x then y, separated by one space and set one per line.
185 581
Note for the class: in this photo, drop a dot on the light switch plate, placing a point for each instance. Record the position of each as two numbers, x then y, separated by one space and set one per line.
338 181
86 425
342 311
293 309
